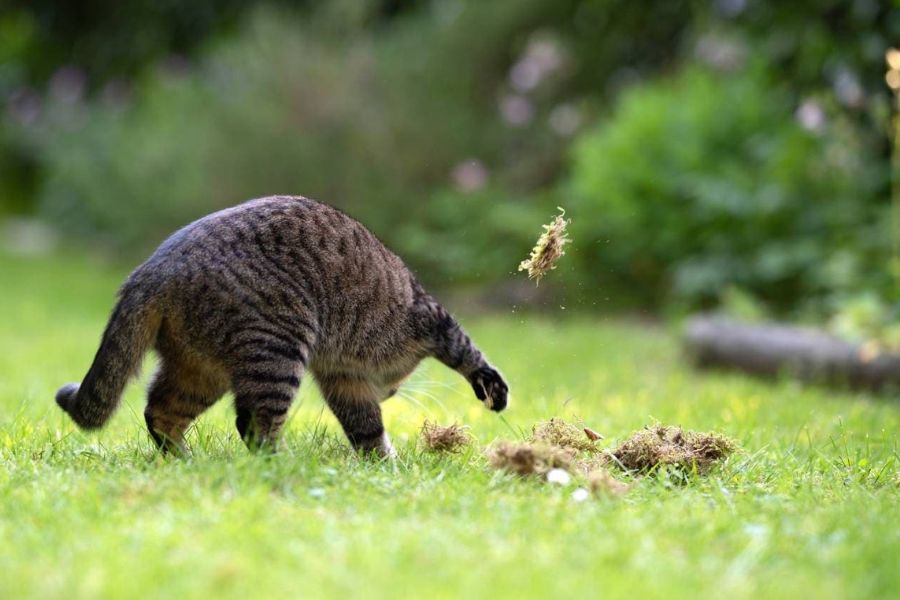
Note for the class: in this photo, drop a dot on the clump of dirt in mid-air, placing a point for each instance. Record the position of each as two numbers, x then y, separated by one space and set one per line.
656 445
524 458
445 438
557 432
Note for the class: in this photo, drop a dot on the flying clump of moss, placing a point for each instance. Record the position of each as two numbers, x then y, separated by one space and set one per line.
549 248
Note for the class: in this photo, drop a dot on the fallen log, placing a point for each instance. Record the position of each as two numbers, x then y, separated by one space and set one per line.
773 349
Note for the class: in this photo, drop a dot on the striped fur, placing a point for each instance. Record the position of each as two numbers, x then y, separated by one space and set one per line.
249 299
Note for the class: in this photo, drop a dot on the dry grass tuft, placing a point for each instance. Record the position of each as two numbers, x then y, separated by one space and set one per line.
602 483
658 445
440 438
549 248
524 458
557 432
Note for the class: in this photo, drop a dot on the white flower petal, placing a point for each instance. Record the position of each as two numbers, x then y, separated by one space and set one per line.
559 476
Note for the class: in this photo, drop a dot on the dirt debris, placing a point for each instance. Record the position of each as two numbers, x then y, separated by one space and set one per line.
556 444
657 445
445 438
604 484
592 435
524 458
557 432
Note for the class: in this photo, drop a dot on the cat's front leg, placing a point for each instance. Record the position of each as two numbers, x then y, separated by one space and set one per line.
451 345
489 387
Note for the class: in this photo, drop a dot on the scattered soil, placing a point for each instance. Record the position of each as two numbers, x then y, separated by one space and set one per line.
557 432
556 444
658 445
524 458
450 438
604 484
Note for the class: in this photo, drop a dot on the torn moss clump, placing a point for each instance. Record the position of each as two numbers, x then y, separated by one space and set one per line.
524 458
557 432
440 438
549 248
656 445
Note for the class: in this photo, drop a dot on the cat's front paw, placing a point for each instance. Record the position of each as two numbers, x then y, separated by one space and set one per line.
490 388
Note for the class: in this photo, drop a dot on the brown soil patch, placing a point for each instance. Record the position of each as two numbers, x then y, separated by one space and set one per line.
604 484
524 458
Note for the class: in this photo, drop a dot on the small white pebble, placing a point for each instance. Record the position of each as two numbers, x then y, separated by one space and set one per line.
559 476
580 495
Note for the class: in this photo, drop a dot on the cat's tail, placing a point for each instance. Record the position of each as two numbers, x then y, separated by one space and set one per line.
129 334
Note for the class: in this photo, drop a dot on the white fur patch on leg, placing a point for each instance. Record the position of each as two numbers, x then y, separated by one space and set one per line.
385 448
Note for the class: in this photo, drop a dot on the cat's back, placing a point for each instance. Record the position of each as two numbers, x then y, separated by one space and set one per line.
288 230
260 225
283 255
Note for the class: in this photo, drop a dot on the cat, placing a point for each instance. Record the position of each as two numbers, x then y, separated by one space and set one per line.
249 299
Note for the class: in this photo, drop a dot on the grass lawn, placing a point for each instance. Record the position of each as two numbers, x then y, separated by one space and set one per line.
811 506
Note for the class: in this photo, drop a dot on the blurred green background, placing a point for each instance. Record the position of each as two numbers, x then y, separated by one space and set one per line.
730 153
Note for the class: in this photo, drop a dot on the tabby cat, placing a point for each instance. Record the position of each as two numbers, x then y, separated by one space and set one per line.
248 299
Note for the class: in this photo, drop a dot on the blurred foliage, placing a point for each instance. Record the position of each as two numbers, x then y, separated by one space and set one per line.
868 318
52 48
277 111
738 304
706 180
111 39
383 127
702 147
106 38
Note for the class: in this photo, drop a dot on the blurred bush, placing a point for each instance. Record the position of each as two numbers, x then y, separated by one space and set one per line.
92 50
370 127
439 131
706 180
453 128
869 319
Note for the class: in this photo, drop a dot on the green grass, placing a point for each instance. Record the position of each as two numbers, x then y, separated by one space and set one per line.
810 507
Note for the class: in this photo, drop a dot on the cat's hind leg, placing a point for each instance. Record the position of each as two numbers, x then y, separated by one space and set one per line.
179 393
355 403
266 363
263 393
